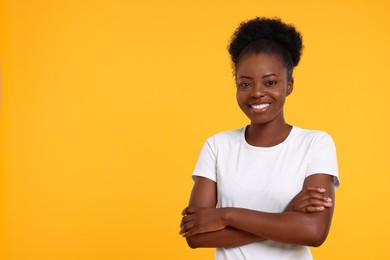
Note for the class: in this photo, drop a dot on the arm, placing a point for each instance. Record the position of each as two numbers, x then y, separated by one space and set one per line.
288 227
204 196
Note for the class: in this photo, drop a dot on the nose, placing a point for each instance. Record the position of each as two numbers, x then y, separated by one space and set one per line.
257 91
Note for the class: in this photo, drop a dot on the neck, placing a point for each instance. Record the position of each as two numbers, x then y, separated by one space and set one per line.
269 134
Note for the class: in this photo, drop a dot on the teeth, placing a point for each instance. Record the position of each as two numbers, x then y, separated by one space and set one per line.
261 106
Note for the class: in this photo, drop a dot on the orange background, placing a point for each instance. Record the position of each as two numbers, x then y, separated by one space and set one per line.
106 104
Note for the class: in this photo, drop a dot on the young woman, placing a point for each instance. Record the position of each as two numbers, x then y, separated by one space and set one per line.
273 182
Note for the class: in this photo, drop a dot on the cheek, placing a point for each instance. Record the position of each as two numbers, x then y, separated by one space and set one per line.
278 94
240 100
238 97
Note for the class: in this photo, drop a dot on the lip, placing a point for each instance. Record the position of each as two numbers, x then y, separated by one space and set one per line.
259 109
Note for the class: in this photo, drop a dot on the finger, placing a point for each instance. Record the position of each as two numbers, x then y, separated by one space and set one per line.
194 230
319 202
316 195
185 211
190 233
183 229
188 210
319 196
317 189
301 207
312 209
328 204
303 204
313 193
182 222
328 199
186 227
186 219
312 205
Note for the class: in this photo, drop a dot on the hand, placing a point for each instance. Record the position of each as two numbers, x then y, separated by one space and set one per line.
200 220
310 200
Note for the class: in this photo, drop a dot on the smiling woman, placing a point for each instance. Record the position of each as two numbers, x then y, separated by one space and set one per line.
262 87
273 182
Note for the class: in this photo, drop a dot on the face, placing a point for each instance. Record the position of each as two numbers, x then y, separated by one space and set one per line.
262 87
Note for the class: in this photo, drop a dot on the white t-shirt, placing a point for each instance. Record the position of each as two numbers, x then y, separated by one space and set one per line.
265 179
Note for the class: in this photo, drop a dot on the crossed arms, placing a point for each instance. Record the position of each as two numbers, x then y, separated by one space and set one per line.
305 221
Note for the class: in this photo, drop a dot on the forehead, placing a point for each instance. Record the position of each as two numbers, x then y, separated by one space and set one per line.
260 64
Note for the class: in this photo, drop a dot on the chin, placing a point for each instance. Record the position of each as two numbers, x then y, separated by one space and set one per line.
259 122
263 120
259 119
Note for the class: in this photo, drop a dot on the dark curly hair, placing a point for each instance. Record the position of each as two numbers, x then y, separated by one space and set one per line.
267 35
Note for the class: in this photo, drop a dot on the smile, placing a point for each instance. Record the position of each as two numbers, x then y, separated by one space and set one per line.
260 106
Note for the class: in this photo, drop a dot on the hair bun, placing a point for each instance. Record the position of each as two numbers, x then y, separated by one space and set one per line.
268 29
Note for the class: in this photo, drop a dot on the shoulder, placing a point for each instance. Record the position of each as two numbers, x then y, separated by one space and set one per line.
225 140
321 153
311 137
308 133
227 136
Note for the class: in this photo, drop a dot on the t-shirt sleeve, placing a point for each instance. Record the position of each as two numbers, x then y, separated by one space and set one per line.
322 157
206 165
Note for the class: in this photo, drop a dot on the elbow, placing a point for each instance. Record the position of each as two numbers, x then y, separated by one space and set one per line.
192 242
316 242
317 236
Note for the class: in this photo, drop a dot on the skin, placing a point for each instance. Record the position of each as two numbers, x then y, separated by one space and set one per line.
203 196
261 79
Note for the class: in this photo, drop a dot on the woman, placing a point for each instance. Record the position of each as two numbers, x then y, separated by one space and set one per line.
273 182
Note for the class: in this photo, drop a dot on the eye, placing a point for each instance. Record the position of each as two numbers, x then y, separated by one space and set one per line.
271 83
244 84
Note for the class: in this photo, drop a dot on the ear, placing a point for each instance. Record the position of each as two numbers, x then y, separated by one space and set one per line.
290 87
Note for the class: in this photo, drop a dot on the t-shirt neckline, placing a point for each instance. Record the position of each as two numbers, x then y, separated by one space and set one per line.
270 148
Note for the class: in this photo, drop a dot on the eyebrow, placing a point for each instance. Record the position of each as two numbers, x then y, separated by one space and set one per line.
265 76
270 75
